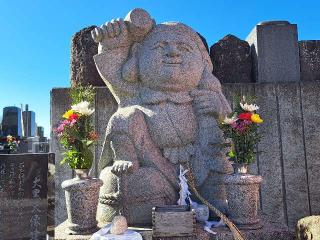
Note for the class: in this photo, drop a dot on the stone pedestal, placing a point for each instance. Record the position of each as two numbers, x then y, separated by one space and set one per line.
82 200
275 52
243 197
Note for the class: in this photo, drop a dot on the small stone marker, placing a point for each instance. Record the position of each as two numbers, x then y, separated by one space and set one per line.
23 194
173 221
275 52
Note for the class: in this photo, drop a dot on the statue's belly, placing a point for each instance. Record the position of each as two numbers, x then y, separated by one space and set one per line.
172 125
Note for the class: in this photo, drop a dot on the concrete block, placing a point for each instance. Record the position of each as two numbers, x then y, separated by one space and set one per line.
275 52
309 60
311 115
293 155
60 103
272 192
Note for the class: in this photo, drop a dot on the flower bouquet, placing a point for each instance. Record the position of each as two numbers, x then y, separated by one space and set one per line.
241 126
12 144
75 131
76 134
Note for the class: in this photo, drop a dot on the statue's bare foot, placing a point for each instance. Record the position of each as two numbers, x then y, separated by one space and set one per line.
110 199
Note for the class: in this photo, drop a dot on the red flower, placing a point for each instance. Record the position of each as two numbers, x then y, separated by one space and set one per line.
73 116
245 116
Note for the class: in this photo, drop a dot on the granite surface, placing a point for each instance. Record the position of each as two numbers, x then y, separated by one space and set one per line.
309 52
23 194
82 200
294 162
243 198
275 52
231 60
82 67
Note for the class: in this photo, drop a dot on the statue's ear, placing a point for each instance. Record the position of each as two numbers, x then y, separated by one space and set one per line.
130 68
209 81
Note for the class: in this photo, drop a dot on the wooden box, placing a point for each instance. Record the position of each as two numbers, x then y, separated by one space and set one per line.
173 221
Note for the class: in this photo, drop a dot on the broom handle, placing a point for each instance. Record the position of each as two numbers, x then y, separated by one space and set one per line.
237 235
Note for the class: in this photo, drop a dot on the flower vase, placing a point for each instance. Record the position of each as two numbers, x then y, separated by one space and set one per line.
81 194
243 196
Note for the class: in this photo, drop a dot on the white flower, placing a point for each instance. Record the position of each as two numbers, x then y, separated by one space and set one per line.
249 107
231 120
83 108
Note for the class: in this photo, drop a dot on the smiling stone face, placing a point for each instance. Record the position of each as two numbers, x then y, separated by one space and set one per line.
170 61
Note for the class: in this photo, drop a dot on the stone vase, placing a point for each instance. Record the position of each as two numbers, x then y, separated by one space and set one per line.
243 196
82 194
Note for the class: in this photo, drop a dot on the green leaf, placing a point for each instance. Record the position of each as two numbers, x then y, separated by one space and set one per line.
231 154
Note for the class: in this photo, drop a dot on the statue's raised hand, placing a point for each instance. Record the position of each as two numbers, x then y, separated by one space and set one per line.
121 33
119 167
112 35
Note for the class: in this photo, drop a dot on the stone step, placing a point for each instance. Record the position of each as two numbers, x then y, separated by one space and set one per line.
269 231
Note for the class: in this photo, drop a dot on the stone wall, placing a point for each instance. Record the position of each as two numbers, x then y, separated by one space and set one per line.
288 95
289 164
271 53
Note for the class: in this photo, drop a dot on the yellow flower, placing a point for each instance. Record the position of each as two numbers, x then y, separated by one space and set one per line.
68 114
256 118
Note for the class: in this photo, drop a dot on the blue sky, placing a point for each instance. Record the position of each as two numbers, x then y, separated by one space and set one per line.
35 35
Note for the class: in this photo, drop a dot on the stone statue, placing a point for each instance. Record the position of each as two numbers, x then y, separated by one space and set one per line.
168 101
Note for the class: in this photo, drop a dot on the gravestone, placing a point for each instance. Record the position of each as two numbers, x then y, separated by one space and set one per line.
309 60
275 52
231 60
23 194
82 67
